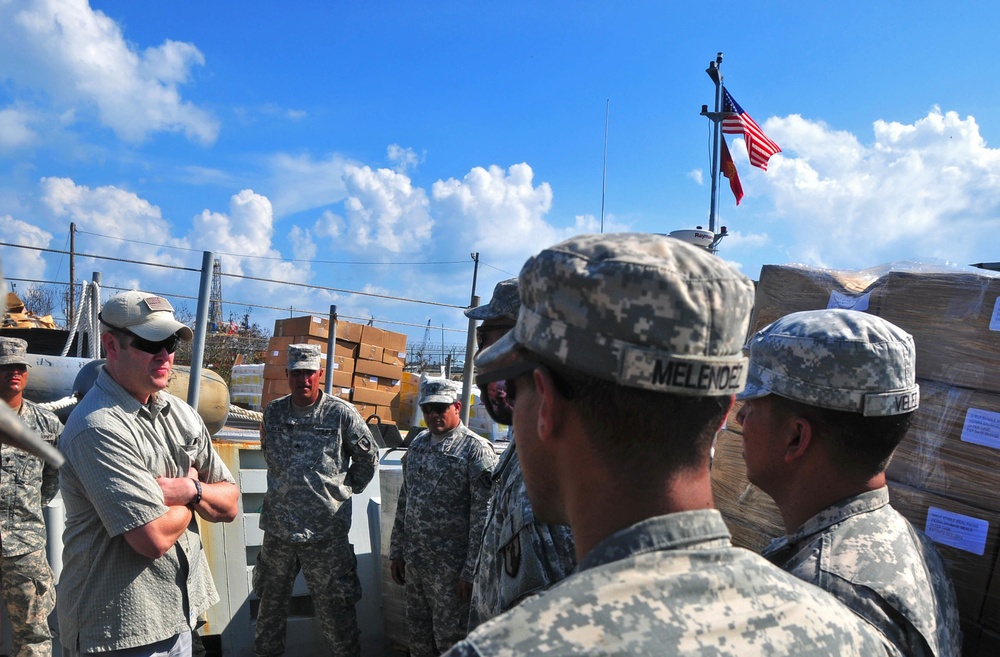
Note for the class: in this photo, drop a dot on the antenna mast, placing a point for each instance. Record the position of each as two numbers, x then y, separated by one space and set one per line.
716 117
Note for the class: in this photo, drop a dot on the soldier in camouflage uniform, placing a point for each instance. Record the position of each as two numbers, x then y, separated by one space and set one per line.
830 395
520 555
438 528
26 485
622 366
319 452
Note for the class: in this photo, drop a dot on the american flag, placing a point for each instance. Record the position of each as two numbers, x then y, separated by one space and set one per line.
759 145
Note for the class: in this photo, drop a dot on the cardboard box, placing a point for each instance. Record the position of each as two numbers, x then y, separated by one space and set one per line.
390 357
342 380
373 396
394 342
372 335
370 352
952 313
309 325
378 369
349 331
316 327
953 446
275 372
967 537
342 364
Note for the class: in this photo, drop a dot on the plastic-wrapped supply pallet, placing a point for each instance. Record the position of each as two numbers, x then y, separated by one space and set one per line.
953 313
953 446
247 385
943 477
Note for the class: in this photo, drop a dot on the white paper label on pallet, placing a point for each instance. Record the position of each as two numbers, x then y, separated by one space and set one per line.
958 531
995 319
982 428
847 301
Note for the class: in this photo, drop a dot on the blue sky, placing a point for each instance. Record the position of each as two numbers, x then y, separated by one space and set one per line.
402 137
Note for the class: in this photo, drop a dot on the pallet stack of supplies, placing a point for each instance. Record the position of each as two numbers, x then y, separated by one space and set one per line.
409 388
943 476
247 386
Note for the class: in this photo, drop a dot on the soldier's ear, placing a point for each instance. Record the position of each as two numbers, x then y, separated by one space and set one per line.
552 406
798 437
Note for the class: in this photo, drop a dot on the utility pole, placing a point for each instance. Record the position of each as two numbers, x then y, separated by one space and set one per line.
470 346
72 273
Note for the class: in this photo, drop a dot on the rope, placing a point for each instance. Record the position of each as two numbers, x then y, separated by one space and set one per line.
237 411
90 296
60 404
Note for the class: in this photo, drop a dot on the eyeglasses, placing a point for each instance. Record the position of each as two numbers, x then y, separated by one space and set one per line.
150 347
482 333
434 409
501 388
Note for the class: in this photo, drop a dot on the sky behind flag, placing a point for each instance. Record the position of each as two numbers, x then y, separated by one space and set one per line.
374 147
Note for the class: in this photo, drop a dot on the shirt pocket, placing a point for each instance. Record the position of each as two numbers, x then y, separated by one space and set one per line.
297 448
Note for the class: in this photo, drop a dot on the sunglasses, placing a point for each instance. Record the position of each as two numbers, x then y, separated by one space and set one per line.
435 409
483 333
150 347
500 388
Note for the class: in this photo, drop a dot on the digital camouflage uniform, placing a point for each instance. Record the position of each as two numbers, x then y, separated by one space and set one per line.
520 555
651 312
438 530
874 561
861 549
674 585
314 464
26 486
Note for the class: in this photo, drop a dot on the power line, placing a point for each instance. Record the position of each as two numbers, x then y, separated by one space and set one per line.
249 278
255 257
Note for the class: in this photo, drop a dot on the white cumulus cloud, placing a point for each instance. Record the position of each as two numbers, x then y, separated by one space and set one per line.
383 212
930 188
499 213
23 263
77 58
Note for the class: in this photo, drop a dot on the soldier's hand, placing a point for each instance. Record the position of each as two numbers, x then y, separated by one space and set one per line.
464 589
398 569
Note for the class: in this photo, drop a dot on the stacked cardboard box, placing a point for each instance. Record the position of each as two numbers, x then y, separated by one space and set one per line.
366 366
943 477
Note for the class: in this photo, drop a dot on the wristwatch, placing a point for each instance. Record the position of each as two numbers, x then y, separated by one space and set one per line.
197 495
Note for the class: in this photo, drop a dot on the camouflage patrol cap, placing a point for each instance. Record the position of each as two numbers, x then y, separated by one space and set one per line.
503 305
13 351
438 391
304 357
642 310
843 360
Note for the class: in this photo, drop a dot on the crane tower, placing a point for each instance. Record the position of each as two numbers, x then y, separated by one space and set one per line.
215 299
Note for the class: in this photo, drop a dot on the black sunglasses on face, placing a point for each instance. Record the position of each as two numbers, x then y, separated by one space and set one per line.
436 409
150 347
501 388
481 333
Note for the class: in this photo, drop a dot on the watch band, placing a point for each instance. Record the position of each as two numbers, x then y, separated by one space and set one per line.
197 495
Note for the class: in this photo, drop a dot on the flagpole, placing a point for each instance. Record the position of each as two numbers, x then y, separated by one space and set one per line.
715 117
604 180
